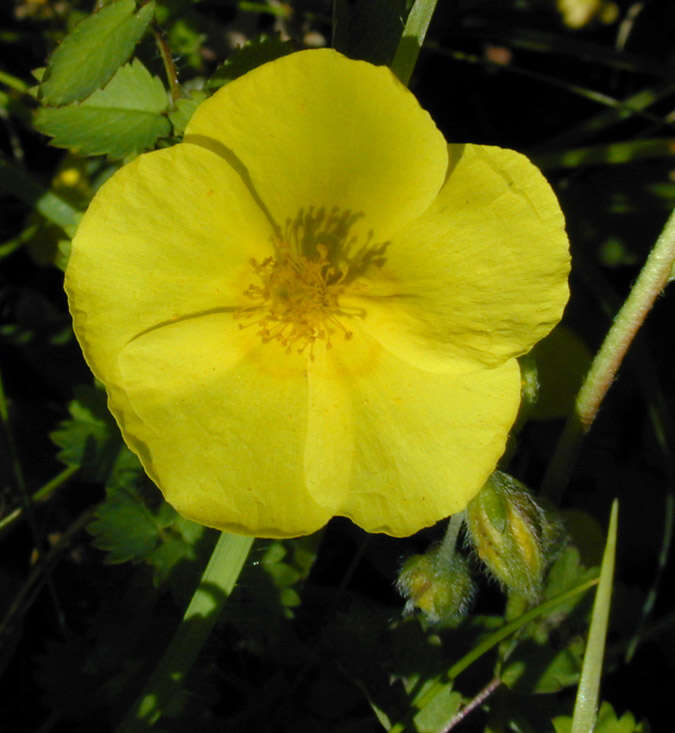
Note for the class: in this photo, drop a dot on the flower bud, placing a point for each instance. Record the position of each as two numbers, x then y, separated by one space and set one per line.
442 591
511 534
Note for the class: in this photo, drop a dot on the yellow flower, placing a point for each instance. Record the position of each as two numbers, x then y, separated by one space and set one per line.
312 306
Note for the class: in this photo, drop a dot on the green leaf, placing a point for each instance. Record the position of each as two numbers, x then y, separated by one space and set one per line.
185 108
542 669
253 54
90 438
89 56
123 118
124 528
440 710
607 722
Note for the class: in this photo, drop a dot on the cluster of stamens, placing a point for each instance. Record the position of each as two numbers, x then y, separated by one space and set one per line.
297 299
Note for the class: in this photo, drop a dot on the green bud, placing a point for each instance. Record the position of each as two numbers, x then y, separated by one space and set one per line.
442 591
511 534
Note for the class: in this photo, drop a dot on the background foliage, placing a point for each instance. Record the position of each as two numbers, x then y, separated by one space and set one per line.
95 570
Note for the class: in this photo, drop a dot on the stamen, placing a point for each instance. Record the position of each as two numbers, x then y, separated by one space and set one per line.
297 300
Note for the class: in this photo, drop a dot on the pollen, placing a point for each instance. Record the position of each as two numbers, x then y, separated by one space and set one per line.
296 299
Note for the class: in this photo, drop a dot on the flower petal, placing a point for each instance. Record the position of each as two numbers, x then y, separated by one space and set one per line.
227 446
478 278
316 129
169 236
424 443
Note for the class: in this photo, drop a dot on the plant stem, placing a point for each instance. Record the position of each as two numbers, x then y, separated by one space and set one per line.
13 82
216 584
412 39
42 494
25 498
479 699
167 60
447 549
428 693
652 279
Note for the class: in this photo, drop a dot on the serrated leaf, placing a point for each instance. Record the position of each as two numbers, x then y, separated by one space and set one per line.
89 438
124 528
89 56
249 57
542 669
441 709
166 556
607 722
123 118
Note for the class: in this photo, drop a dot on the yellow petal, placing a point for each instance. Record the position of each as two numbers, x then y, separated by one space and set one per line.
423 443
481 276
169 236
220 423
317 129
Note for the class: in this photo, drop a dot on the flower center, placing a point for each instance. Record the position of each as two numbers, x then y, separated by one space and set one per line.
297 299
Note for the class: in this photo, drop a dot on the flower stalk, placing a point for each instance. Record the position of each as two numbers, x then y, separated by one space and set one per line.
654 276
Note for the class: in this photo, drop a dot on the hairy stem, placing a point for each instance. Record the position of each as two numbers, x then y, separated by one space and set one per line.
652 279
478 700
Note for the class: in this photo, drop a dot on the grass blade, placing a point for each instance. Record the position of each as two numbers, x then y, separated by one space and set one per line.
412 39
586 705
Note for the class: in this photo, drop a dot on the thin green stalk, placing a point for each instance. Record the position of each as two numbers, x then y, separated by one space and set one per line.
412 39
489 642
169 66
216 584
42 494
447 549
25 499
586 704
40 575
651 281
18 182
585 92
13 82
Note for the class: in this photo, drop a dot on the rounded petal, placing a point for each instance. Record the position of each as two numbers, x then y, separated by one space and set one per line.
422 443
219 421
478 278
169 236
316 129
397 448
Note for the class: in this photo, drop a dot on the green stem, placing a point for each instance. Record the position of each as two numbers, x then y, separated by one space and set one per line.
216 584
487 643
586 704
18 182
13 82
447 549
412 39
651 281
167 60
42 494
22 489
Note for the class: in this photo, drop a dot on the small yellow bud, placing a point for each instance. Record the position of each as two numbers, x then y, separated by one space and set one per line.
511 534
442 591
